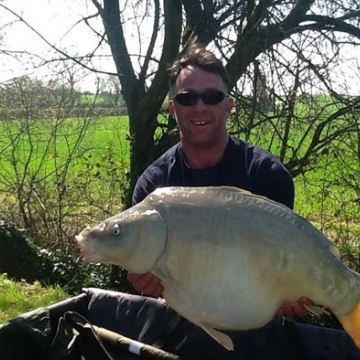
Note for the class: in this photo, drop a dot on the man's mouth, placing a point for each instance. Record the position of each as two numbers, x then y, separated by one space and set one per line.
199 123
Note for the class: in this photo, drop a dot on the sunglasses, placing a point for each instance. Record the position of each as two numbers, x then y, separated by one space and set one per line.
208 97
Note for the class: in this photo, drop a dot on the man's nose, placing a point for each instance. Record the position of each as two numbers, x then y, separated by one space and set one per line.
199 103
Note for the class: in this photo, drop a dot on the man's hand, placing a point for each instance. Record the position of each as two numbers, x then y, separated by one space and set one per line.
146 283
294 308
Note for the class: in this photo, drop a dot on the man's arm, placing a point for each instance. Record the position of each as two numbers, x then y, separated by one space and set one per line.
272 179
145 185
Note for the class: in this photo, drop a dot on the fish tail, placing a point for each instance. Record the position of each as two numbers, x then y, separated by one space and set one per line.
351 324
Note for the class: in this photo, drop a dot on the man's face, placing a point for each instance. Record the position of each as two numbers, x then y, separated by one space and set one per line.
200 124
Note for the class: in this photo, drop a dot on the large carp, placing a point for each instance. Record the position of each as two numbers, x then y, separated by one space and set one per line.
227 258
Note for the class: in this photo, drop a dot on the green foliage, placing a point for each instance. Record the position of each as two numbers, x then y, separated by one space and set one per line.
304 129
317 138
93 98
22 259
45 167
104 99
19 297
73 275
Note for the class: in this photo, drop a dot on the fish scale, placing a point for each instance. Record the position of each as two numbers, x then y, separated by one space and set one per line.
227 258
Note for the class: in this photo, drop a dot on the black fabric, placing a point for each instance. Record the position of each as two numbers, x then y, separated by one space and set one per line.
138 317
243 165
77 339
25 337
148 320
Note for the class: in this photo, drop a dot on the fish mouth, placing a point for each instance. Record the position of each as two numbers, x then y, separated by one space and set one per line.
79 239
84 232
87 250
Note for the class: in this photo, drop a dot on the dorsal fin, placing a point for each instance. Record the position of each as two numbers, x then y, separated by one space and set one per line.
234 188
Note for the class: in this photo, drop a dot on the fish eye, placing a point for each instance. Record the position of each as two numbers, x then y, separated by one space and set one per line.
116 230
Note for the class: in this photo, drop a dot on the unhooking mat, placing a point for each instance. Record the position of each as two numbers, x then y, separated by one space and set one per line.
49 334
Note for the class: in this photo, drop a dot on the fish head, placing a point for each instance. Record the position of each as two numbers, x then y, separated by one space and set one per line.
133 239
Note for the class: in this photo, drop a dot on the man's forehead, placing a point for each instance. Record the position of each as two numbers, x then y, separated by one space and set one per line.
189 77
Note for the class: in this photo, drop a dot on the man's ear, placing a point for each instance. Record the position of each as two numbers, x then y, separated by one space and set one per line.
230 104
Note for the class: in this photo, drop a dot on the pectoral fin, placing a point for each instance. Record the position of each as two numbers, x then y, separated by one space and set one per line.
219 336
173 296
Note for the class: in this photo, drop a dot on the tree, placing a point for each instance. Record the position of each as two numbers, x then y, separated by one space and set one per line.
312 33
282 52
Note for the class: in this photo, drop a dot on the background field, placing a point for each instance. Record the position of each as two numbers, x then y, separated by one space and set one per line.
57 176
90 159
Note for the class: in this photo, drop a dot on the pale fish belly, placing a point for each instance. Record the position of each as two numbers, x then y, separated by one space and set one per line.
220 286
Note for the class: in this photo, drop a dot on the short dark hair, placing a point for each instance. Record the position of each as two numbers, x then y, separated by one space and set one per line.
197 55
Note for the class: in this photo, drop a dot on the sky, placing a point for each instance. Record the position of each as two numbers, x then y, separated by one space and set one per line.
57 21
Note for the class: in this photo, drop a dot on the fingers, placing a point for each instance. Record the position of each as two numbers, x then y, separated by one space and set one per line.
294 308
305 301
146 283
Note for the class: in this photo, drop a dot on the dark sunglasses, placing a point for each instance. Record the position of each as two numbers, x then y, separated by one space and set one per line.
208 97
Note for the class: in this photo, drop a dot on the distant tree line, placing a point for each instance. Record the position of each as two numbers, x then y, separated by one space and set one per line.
26 97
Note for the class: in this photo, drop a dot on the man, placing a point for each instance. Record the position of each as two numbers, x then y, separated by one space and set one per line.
206 154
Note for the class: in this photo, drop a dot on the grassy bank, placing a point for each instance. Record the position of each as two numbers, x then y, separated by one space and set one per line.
19 297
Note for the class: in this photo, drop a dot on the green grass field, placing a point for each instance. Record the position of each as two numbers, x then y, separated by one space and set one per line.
56 161
84 164
19 297
93 154
49 144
